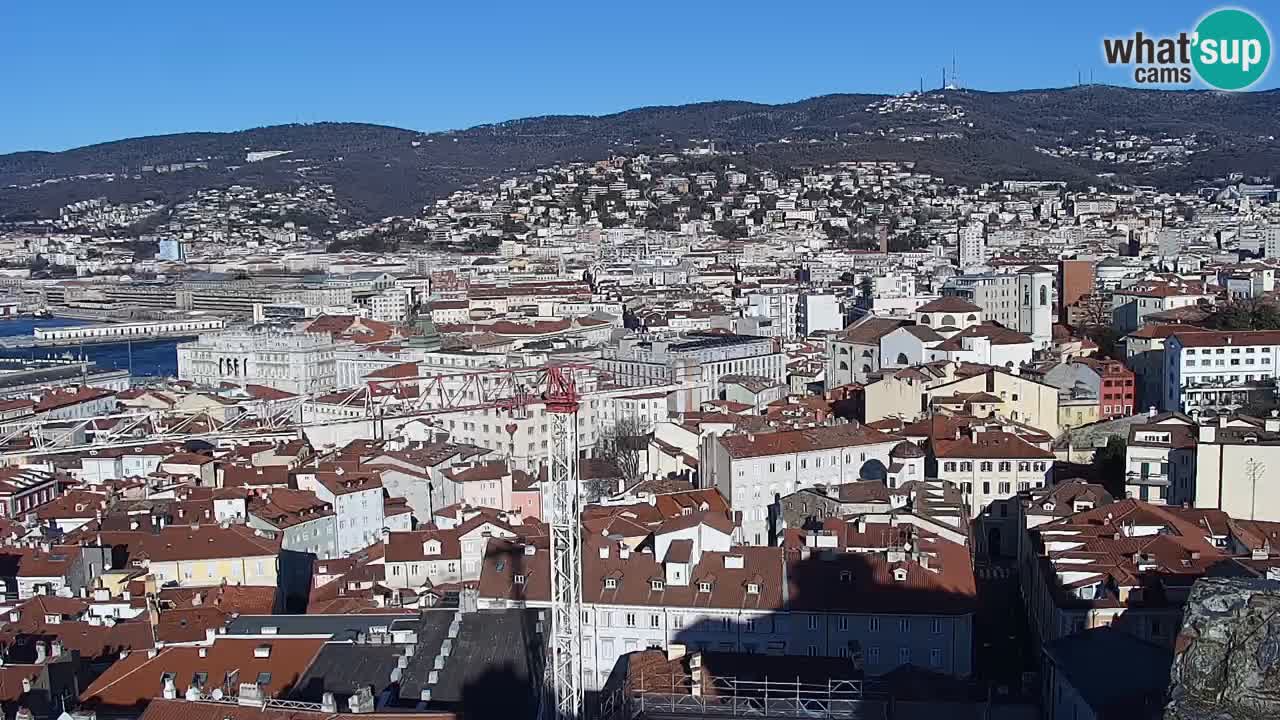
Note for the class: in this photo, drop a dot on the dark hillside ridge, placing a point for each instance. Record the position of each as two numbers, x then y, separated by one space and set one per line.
379 171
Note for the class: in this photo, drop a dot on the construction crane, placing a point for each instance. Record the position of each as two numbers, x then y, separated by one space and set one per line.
379 401
566 545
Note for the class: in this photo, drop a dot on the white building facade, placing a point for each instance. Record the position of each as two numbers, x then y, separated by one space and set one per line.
299 363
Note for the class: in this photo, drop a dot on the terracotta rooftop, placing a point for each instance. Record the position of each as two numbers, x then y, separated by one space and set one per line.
797 441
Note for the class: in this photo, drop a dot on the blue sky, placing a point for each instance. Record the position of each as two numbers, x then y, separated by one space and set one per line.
82 71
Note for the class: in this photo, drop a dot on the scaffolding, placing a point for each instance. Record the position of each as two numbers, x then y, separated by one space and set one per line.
666 694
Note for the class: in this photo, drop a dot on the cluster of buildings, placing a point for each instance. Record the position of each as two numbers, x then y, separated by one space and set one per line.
831 418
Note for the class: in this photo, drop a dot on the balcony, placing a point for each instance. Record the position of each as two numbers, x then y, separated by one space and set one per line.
1150 479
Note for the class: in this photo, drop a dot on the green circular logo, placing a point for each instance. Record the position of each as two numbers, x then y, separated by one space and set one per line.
1232 49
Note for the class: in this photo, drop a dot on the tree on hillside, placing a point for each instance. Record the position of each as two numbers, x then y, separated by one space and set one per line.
1246 314
728 229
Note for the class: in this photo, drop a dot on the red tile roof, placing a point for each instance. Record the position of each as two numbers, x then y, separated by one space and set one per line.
991 444
135 680
949 304
411 546
1241 337
808 440
161 709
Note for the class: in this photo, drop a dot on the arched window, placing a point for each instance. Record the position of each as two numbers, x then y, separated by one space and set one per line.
972 318
844 365
866 369
925 320
902 359
867 353
948 320
1044 295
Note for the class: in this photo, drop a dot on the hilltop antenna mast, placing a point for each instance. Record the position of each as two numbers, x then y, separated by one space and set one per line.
566 545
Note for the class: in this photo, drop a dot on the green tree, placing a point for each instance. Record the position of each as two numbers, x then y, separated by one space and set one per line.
866 288
728 229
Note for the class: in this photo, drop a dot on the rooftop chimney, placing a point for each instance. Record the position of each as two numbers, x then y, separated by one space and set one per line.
362 701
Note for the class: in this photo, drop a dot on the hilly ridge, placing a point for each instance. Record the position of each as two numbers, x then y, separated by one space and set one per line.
962 135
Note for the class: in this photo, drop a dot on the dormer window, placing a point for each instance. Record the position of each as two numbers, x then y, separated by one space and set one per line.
900 574
753 588
704 587
657 585
686 511
610 583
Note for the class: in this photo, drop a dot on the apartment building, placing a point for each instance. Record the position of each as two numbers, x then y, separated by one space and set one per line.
391 305
1127 564
1131 306
301 521
971 245
423 558
754 470
1220 371
203 555
356 499
24 488
853 597
990 464
908 394
1109 383
1160 459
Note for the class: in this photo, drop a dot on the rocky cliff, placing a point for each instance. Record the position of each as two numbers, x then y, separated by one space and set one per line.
1227 657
